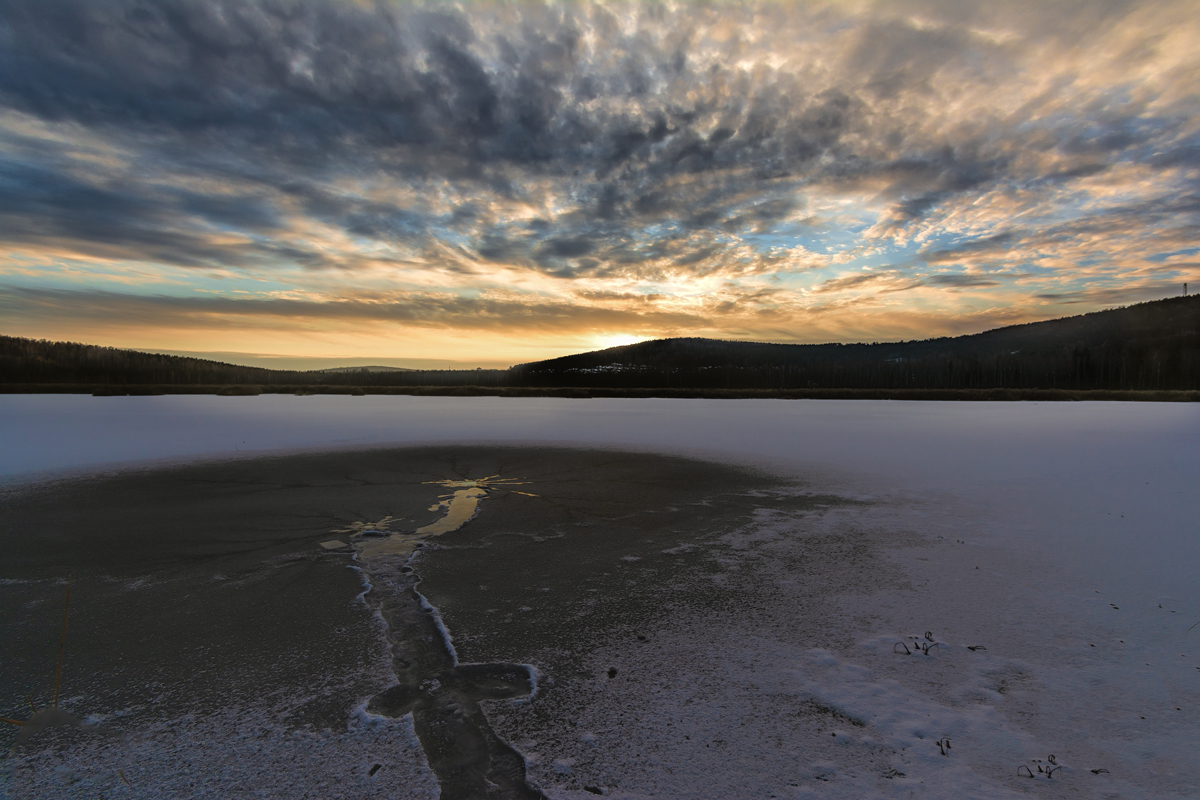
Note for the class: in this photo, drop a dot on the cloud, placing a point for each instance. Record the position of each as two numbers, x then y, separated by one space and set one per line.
853 282
959 281
1113 296
409 309
565 152
983 245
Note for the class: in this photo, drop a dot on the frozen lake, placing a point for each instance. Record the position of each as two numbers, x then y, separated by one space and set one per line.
1104 489
1082 516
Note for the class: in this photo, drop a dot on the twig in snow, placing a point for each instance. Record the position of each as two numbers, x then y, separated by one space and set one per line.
918 646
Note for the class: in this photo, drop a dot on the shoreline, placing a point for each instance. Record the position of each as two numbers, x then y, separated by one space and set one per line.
569 392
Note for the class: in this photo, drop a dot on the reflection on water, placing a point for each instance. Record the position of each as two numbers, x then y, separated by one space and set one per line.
443 696
460 507
371 539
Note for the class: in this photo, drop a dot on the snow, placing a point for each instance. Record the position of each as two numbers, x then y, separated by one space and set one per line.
237 752
1083 519
1062 474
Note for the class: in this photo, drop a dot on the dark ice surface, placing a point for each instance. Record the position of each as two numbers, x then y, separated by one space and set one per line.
644 626
213 646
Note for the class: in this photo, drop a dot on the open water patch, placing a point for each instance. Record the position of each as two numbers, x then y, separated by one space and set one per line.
442 695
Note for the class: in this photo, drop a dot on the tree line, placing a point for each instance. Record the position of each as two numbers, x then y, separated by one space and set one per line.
45 362
1150 346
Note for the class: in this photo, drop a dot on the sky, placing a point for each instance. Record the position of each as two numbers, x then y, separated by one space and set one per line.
488 183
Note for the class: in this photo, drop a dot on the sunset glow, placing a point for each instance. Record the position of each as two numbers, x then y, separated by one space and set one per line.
490 183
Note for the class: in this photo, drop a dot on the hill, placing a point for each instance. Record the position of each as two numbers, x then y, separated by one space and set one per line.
1149 346
356 370
41 362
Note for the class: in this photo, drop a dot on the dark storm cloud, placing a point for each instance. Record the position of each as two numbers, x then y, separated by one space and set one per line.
40 206
55 211
578 141
334 87
299 79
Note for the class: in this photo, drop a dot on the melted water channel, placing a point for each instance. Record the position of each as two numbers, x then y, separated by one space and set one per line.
470 761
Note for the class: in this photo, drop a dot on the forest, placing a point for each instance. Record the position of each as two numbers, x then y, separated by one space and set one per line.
37 361
1151 346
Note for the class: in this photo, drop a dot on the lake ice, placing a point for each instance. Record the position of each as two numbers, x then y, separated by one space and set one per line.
1089 513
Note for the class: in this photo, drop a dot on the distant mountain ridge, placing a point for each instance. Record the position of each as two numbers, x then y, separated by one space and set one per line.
1154 345
32 361
1149 346
349 370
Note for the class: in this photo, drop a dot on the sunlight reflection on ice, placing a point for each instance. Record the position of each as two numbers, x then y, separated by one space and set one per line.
375 539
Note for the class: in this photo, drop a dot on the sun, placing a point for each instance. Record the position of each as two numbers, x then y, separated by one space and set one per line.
617 340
